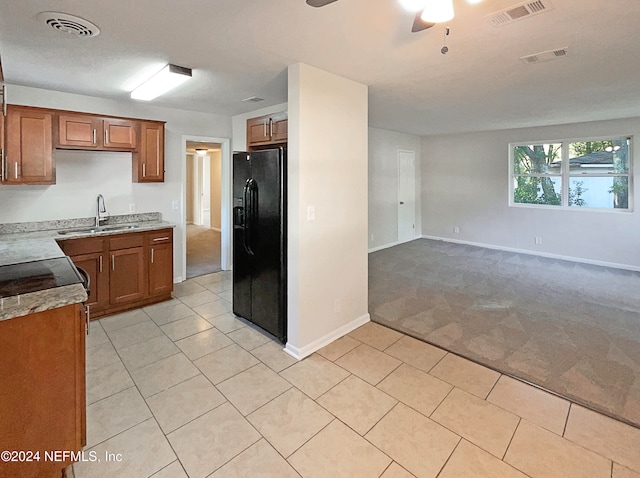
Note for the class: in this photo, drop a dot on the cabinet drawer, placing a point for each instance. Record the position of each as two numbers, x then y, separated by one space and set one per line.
163 236
75 247
126 241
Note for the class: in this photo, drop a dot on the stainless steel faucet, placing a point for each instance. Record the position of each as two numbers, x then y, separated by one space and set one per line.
101 208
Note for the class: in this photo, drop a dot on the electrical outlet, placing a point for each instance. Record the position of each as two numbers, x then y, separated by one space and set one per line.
311 213
175 205
132 207
538 241
371 237
456 229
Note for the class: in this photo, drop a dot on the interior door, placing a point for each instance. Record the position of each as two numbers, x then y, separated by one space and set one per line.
406 196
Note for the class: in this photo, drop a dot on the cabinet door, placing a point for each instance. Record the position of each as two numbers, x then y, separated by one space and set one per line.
160 269
96 265
29 158
42 365
79 131
150 167
126 278
119 134
279 128
258 131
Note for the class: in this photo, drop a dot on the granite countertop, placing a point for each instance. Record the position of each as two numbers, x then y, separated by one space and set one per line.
33 241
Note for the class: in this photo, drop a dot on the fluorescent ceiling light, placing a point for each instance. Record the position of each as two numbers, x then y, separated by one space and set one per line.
437 11
201 151
166 79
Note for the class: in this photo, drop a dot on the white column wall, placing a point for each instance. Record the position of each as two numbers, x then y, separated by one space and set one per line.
327 168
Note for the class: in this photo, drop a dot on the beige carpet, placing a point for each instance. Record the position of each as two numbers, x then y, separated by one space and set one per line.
571 328
203 251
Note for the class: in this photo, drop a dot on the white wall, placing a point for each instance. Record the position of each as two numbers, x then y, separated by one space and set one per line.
383 184
465 184
82 175
239 142
327 168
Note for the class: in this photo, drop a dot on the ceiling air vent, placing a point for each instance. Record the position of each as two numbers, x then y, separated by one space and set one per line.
253 99
545 55
518 12
70 24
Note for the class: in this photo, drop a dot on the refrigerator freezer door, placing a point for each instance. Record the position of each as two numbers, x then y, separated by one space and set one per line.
241 258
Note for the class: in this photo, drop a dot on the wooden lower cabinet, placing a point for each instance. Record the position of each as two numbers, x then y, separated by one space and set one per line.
42 365
126 281
96 266
160 269
126 270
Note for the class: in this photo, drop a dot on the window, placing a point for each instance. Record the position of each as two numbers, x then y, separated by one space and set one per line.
592 174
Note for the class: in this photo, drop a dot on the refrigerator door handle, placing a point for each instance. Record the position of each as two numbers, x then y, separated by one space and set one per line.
248 207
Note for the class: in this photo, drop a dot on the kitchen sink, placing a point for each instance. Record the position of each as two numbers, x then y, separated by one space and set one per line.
97 230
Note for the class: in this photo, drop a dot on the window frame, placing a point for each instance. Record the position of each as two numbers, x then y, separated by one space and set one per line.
565 174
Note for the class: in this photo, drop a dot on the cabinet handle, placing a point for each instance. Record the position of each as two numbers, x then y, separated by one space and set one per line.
160 238
152 255
4 100
87 318
113 262
270 128
15 170
100 269
144 170
106 136
94 136
264 132
2 166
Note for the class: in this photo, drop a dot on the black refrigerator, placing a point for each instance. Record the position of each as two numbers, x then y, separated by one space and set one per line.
260 239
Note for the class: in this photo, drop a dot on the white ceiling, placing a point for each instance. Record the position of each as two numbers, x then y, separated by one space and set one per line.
241 48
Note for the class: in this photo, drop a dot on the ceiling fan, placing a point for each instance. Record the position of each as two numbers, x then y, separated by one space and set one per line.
436 10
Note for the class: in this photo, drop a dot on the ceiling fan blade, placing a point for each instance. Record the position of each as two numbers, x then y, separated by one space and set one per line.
419 24
319 3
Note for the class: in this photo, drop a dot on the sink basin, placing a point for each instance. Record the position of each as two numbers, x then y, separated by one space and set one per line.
97 230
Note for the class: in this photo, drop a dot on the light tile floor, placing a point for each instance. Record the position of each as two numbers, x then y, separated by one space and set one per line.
185 389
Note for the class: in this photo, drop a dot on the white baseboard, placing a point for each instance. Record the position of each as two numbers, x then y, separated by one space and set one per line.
216 229
384 246
581 260
177 280
299 353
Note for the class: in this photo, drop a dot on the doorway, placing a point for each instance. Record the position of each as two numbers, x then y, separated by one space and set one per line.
203 207
406 196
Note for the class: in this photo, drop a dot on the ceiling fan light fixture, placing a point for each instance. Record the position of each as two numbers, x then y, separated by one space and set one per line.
202 151
413 6
437 11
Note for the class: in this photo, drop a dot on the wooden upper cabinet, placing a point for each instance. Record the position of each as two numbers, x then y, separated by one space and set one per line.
258 131
148 162
279 128
79 131
29 149
119 134
268 130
